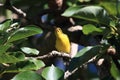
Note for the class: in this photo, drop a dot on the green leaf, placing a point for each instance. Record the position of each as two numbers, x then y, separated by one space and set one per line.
52 73
28 50
38 63
91 13
83 51
12 57
5 25
71 11
27 75
26 65
19 55
91 29
24 32
83 56
111 9
115 71
4 48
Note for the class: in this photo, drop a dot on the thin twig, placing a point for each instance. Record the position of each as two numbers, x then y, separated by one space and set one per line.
52 54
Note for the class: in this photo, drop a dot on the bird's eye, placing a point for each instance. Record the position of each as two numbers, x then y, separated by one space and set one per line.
58 29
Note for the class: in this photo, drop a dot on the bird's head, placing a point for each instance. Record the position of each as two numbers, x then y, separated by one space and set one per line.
58 31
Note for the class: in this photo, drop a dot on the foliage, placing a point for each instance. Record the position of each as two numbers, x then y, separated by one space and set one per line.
96 19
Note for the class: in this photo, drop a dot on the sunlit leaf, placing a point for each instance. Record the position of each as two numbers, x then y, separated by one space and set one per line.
91 13
91 29
24 32
27 75
28 50
71 11
52 73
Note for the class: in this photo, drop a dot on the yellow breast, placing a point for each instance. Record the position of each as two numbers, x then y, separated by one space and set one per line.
62 41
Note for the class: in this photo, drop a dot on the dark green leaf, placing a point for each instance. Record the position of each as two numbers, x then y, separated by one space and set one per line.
4 48
91 29
5 25
115 71
31 64
28 50
91 13
12 57
27 75
52 73
83 56
24 32
19 55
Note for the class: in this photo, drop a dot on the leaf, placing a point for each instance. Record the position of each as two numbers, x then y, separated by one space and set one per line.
52 73
91 13
5 25
39 64
111 9
27 75
24 32
26 65
83 56
12 57
71 11
19 55
83 51
114 71
28 50
4 48
91 29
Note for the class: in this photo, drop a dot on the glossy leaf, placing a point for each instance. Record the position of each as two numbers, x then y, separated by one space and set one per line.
27 75
83 56
24 32
52 73
12 57
91 13
71 11
28 50
5 25
91 29
26 65
115 71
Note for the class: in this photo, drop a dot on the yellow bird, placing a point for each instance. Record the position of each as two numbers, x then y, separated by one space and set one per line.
62 41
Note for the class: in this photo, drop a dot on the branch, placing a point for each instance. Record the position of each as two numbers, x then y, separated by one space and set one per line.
69 73
19 12
52 54
22 14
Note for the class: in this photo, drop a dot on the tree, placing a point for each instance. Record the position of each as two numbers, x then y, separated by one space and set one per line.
27 41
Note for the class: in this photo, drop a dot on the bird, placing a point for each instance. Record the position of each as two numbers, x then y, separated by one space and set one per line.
62 43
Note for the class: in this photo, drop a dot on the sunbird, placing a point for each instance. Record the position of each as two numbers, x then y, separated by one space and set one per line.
62 41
